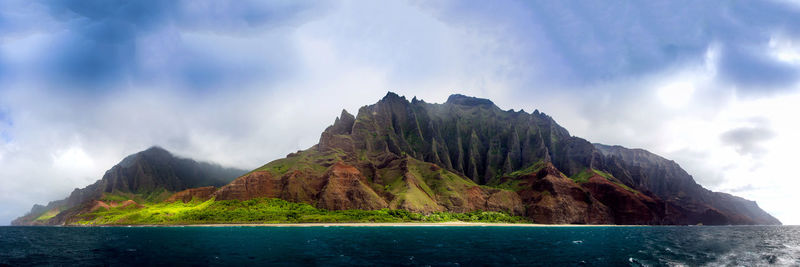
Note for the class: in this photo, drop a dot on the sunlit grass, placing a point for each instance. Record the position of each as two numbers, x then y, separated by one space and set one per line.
266 210
48 215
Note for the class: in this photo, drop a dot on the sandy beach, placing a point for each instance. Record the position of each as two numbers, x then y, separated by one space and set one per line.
410 224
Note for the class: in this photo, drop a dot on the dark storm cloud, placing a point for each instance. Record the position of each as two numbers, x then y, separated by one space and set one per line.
755 73
100 43
747 140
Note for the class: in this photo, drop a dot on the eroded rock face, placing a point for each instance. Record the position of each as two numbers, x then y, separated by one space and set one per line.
687 202
252 185
300 186
346 188
505 201
625 206
200 193
489 199
551 198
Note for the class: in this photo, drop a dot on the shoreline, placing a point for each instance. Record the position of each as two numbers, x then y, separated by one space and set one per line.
408 224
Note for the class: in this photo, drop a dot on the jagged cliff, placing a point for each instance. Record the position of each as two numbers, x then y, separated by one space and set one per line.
150 175
466 155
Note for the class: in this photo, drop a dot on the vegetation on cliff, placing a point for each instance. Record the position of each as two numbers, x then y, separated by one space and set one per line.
270 210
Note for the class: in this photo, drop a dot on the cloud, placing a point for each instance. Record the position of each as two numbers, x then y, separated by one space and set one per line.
754 72
591 42
97 45
747 140
744 188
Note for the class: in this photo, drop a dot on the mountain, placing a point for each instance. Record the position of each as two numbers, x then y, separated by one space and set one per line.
412 160
150 175
467 154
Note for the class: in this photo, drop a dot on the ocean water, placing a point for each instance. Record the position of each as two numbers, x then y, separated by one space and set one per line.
402 245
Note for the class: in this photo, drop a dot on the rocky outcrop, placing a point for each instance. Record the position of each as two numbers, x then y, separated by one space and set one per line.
346 188
627 206
252 185
200 193
552 198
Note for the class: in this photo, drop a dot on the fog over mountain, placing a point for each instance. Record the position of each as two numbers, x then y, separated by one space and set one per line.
713 86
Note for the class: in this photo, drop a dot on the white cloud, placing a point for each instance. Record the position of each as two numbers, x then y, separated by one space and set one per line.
785 49
72 159
676 94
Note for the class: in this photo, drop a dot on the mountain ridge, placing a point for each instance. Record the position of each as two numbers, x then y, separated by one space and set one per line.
467 155
152 173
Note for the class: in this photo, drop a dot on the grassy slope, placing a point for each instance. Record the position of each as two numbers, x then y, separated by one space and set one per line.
265 210
584 176
48 215
423 184
509 181
304 160
157 195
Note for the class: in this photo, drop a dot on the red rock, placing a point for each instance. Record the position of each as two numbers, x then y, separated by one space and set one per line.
552 198
201 193
345 188
626 207
97 204
252 185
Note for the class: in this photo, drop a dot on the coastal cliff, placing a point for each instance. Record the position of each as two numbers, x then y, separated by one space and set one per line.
464 155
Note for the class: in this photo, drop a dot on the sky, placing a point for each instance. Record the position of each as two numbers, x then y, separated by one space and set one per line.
713 85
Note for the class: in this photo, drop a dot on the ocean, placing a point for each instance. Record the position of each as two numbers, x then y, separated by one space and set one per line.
402 245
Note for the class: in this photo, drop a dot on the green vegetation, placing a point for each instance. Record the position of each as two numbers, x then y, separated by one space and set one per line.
152 196
530 169
617 182
604 174
304 160
508 181
411 188
48 215
509 184
584 176
267 210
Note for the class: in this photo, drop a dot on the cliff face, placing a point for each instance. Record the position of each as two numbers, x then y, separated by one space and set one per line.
151 175
666 180
467 154
460 156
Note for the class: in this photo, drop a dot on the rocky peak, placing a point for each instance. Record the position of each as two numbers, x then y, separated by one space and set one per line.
458 99
392 97
549 169
342 125
155 153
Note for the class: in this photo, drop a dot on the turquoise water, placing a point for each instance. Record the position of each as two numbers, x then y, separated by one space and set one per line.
436 246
